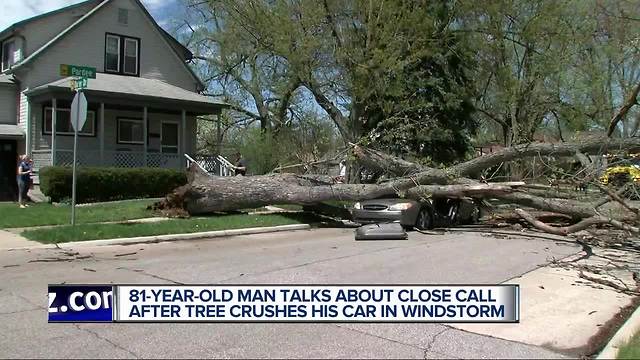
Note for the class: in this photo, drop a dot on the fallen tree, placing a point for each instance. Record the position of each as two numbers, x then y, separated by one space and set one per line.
207 194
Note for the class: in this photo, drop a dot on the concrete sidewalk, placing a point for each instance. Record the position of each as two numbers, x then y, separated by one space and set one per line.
9 240
564 311
16 242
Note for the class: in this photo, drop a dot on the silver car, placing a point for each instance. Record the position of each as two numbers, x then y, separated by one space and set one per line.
422 215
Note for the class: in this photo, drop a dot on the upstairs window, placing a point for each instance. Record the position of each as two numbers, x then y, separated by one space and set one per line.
130 56
112 54
8 54
122 55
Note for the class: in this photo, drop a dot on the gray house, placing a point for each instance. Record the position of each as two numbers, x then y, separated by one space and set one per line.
142 105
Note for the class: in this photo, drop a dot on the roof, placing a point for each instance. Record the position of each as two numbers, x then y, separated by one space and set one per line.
180 50
6 79
37 17
11 131
134 88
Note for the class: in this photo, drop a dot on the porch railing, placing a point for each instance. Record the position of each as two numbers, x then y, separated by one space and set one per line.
128 159
213 164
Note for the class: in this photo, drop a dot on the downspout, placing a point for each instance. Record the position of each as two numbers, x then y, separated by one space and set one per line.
28 136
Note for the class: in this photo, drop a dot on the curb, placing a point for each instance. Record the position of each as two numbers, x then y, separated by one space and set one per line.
171 237
622 336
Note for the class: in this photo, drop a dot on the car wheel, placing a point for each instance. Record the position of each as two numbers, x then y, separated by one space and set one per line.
424 220
475 215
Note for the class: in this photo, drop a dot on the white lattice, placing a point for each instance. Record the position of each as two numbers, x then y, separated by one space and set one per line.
64 158
84 158
128 159
163 160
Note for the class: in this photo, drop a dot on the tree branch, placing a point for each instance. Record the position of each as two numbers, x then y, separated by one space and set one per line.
629 103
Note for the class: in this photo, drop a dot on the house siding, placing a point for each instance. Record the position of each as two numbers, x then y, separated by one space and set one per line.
85 45
22 111
8 104
37 32
92 143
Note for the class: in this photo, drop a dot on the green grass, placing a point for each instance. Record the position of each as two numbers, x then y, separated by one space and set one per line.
630 350
46 214
174 226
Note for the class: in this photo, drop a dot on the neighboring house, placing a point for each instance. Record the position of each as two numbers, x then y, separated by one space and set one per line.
142 106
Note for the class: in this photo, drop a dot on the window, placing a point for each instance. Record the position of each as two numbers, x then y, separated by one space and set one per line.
130 131
8 54
63 122
122 55
123 16
169 137
130 56
112 54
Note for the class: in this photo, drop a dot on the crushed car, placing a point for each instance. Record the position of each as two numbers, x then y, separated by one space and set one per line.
422 215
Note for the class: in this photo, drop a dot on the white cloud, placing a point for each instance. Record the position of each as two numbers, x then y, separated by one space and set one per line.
14 11
153 4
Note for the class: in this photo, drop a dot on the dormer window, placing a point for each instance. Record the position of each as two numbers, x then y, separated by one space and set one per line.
8 54
122 55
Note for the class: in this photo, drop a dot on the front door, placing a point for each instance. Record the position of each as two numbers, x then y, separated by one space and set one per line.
8 166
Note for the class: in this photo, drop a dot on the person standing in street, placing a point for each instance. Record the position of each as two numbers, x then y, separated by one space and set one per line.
24 180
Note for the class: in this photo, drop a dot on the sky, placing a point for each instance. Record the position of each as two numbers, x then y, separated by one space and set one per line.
18 10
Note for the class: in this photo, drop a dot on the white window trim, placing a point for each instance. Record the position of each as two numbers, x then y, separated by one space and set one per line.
49 108
138 121
124 56
177 123
11 40
106 53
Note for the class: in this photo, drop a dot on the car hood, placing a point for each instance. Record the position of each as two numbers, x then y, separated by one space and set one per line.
387 202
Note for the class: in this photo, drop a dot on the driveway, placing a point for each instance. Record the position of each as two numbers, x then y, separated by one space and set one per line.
319 256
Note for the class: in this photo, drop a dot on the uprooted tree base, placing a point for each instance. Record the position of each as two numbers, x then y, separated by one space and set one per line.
209 194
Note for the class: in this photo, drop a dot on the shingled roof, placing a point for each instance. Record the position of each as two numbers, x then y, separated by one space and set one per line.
134 88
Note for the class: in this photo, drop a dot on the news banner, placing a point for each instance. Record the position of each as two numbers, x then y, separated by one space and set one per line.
284 303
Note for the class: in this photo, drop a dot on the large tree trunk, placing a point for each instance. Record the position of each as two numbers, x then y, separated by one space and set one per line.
207 194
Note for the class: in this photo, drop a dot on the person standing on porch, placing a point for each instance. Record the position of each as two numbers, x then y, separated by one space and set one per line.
24 179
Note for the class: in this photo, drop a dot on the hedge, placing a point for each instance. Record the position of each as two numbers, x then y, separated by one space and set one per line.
104 184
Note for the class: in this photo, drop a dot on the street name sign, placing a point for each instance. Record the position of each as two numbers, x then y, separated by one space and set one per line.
79 71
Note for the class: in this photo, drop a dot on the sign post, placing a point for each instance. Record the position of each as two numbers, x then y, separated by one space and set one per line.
78 116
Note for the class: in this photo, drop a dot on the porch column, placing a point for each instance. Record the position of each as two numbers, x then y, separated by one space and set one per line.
101 120
145 135
54 116
29 135
218 135
183 136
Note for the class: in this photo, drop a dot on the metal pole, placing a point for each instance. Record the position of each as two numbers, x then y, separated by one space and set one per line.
75 158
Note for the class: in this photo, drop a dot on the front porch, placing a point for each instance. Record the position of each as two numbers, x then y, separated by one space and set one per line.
131 122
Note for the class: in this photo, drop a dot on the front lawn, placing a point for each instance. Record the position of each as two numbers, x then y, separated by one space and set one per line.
174 226
46 214
630 350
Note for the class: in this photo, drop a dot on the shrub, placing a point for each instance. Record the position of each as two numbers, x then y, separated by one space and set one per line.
104 184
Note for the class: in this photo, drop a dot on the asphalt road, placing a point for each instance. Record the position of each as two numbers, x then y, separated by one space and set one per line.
317 256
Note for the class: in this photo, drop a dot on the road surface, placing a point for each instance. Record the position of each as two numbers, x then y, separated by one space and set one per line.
319 256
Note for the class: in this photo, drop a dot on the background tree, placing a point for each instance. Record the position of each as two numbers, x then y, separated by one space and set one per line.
391 71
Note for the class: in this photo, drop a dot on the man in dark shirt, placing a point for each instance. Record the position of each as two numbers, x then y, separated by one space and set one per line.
240 165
